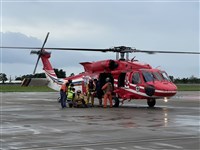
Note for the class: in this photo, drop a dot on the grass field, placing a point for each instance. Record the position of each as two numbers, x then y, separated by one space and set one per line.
18 88
188 87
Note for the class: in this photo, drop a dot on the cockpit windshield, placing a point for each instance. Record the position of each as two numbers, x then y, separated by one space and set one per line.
148 76
155 75
158 76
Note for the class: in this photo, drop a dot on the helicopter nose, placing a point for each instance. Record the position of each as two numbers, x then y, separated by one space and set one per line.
167 89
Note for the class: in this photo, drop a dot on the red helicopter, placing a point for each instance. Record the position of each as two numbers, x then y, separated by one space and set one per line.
130 78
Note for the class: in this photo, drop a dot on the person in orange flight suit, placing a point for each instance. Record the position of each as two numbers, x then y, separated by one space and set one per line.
108 89
63 89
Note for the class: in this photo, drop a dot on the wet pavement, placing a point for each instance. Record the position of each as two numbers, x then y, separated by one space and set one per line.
36 121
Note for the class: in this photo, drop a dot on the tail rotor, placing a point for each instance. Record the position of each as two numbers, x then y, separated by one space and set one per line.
39 53
27 81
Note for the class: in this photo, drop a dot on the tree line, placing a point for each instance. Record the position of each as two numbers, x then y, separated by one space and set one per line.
190 80
60 74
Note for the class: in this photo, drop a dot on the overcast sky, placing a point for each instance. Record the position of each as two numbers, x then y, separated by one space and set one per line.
148 25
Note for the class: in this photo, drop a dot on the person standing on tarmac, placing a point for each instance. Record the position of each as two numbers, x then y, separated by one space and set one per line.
90 92
63 90
98 91
108 89
71 95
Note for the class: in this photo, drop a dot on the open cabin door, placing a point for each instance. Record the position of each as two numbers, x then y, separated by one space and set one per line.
121 80
103 76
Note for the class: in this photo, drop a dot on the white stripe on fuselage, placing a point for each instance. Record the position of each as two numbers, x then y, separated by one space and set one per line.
135 92
141 87
161 91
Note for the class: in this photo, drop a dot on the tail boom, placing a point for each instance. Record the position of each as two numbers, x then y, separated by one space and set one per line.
54 82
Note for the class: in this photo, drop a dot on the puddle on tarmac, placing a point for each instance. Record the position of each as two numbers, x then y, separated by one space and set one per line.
187 120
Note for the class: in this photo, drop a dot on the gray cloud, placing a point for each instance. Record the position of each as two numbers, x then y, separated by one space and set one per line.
153 26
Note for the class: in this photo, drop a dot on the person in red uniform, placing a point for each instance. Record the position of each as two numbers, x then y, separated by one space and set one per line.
108 89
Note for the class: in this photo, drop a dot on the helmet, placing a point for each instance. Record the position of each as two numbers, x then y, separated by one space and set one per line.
78 91
107 79
66 82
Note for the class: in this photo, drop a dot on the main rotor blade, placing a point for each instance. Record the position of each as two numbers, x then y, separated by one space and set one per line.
166 52
56 48
131 50
81 49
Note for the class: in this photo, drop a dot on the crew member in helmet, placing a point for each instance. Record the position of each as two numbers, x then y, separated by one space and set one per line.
79 99
108 89
90 92
70 95
69 85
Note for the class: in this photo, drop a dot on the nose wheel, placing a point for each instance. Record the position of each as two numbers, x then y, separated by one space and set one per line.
151 102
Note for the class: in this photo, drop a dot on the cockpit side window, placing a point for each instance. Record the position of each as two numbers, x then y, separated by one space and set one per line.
136 78
148 76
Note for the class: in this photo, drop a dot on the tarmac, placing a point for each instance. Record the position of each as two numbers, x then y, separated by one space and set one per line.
36 121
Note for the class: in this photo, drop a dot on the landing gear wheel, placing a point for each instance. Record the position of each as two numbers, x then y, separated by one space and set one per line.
116 102
151 102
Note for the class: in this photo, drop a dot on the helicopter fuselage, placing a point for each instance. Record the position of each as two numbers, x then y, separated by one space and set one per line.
130 79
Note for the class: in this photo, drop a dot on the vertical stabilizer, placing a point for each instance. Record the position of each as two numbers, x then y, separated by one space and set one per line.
54 82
